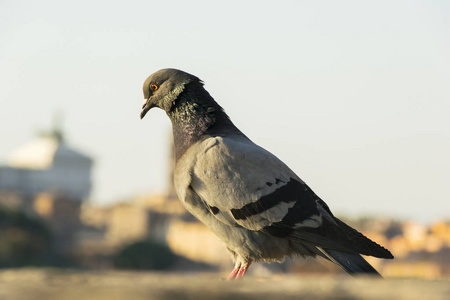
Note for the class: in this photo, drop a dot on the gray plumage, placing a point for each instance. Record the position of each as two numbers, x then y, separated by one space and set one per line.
249 198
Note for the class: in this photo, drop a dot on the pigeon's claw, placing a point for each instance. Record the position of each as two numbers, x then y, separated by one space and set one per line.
239 271
233 274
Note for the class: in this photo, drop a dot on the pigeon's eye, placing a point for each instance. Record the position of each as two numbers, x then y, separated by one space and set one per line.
154 87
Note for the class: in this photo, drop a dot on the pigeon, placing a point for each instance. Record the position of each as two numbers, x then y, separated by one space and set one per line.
250 199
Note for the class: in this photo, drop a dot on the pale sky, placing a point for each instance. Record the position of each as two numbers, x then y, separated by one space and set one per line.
353 96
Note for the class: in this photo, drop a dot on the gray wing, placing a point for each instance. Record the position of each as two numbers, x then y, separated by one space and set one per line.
243 184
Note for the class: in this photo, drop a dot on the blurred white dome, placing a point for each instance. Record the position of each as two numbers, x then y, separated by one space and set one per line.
46 151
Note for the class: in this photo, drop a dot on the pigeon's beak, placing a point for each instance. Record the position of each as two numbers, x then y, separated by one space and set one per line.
146 107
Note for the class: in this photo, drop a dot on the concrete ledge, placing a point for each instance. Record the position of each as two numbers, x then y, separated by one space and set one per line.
52 284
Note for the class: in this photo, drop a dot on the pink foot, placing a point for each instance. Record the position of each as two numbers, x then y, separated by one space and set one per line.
239 271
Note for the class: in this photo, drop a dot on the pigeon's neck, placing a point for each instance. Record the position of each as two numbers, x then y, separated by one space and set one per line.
196 115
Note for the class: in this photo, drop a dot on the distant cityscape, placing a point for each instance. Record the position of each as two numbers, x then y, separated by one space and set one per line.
49 180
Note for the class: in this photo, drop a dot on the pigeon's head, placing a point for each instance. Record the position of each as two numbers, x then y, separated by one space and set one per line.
161 89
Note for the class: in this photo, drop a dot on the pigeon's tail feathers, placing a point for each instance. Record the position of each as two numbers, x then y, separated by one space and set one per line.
352 263
341 237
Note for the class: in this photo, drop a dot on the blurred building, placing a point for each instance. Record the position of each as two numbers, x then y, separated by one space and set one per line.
49 179
47 163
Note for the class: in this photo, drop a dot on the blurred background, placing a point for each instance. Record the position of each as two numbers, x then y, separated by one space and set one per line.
353 96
